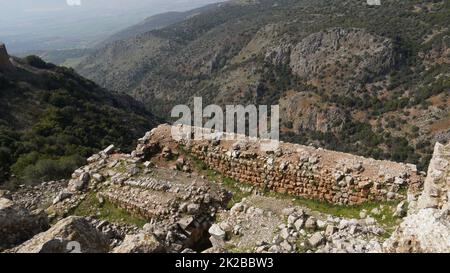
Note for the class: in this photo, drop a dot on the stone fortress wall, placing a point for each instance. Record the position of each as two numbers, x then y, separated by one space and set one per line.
303 171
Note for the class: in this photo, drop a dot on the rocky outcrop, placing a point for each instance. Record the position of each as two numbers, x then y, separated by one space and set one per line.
5 63
70 235
427 227
304 112
140 243
346 55
436 192
17 224
427 231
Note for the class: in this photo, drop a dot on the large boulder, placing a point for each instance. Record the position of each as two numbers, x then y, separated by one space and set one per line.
427 227
70 235
140 243
436 188
17 224
79 183
426 231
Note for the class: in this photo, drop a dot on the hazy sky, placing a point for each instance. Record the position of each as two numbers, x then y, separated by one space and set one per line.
37 24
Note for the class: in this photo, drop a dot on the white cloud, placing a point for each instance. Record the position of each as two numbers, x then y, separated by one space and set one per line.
73 2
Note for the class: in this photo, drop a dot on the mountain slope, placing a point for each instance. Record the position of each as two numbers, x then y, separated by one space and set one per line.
371 80
157 21
51 119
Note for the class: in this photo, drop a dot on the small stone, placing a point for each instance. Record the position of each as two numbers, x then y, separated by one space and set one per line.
217 232
390 195
100 199
277 240
363 214
401 210
292 218
148 164
365 184
284 233
193 208
274 249
375 211
84 177
338 176
313 160
358 167
330 230
80 183
185 222
399 181
321 224
226 227
349 180
98 177
109 150
183 207
286 246
370 221
62 196
299 223
311 224
316 240
237 208
288 211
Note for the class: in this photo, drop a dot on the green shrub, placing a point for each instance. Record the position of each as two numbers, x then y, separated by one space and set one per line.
50 169
37 62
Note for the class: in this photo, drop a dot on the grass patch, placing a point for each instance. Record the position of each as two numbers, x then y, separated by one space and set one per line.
385 218
106 211
231 185
121 167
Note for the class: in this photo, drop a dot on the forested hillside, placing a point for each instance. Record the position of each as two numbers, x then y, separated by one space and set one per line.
52 119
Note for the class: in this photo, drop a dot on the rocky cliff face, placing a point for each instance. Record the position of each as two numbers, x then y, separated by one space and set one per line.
343 56
5 63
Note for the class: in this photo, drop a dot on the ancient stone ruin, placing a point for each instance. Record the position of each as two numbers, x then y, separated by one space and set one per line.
297 170
166 182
